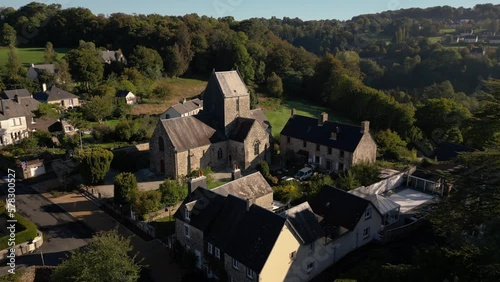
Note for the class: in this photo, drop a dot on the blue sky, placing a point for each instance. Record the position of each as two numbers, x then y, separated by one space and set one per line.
243 9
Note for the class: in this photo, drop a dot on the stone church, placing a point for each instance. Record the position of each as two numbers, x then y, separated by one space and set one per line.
226 133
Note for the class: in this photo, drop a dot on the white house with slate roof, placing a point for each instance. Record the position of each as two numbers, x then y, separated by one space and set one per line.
226 133
184 109
58 96
331 146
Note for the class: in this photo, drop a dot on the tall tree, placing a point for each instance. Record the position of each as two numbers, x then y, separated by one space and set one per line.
62 77
85 64
172 192
147 61
275 85
99 108
94 164
13 65
8 35
106 258
125 187
49 56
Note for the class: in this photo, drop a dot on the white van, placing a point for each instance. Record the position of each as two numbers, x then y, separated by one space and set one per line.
304 174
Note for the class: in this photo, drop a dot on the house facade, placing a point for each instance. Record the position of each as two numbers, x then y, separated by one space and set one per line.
328 145
225 134
184 109
16 117
58 96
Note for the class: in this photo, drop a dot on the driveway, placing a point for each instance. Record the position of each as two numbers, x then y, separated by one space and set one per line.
62 232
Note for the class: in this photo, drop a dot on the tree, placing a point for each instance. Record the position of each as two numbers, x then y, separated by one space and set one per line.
8 35
105 258
288 192
146 202
348 181
162 90
94 164
85 64
13 65
366 173
148 61
172 192
49 56
62 77
275 85
98 108
48 110
391 146
125 187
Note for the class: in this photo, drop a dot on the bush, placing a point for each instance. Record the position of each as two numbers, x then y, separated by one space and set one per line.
102 132
288 192
25 229
125 186
94 164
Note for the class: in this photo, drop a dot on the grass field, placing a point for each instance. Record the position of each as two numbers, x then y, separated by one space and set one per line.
278 114
28 56
434 39
181 88
447 30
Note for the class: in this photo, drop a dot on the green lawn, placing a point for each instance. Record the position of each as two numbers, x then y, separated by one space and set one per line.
447 30
28 56
278 115
434 39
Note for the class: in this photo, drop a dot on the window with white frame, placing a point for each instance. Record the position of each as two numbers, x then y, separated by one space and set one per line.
366 233
210 248
236 264
310 267
186 230
187 213
368 213
250 273
217 252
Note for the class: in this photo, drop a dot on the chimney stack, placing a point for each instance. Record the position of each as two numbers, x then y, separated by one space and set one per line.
322 119
293 112
365 126
44 88
197 182
236 173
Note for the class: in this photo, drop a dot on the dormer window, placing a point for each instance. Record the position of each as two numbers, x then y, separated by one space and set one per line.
368 213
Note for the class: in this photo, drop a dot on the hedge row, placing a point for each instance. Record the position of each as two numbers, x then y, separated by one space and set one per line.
25 230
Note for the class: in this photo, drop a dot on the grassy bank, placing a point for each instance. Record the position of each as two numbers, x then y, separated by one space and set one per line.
28 56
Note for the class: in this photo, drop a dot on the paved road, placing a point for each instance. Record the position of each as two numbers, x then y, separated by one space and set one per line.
62 232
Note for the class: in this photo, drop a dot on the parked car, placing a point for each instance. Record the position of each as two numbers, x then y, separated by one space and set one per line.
304 174
287 178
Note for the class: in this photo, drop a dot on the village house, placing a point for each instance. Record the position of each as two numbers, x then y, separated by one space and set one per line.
477 52
108 57
58 96
35 70
494 39
226 133
243 241
126 96
184 109
468 38
330 146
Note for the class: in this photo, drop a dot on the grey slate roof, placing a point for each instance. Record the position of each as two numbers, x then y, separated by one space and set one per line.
382 204
241 128
54 94
259 115
230 83
339 208
12 109
11 94
248 187
304 223
49 68
189 132
188 106
110 56
307 128
255 237
449 151
206 205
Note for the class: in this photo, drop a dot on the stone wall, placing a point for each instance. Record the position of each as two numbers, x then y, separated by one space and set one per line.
232 110
195 239
237 274
366 150
168 156
260 134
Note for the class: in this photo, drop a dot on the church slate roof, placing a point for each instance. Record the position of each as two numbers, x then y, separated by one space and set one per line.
190 132
241 128
231 84
307 129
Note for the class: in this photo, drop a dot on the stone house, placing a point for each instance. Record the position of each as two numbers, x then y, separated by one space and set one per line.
58 96
108 56
225 134
328 145
184 109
